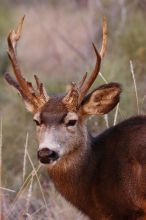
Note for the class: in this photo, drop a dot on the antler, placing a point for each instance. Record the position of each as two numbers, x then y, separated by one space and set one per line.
34 98
84 87
76 94
37 98
71 98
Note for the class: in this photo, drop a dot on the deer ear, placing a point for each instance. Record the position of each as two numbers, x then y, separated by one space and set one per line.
101 100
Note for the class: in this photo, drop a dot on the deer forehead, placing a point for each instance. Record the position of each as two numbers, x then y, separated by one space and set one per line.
55 112
55 104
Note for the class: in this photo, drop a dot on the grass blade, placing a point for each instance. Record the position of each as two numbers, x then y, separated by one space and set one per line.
25 157
106 120
35 173
116 114
135 86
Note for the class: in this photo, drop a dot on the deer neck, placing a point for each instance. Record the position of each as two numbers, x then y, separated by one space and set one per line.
72 175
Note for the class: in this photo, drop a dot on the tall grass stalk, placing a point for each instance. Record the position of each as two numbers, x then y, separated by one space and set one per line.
29 196
103 78
20 192
6 189
135 86
116 114
106 120
25 157
35 173
38 210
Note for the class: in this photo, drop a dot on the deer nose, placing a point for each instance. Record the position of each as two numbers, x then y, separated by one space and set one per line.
47 156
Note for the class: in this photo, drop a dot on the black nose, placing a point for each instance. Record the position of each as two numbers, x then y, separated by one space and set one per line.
46 155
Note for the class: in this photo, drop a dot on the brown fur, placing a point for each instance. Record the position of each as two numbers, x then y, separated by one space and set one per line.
107 178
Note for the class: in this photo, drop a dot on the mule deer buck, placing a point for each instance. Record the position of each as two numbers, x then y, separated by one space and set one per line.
103 176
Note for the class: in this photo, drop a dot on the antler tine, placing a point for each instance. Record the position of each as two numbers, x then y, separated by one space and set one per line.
13 37
83 80
41 89
11 81
16 34
71 98
86 85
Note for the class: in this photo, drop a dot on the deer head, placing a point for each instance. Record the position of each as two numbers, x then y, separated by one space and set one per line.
60 120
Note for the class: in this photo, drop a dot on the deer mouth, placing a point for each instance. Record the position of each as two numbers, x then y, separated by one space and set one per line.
47 156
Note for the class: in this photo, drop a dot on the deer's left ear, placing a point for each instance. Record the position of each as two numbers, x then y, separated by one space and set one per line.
101 100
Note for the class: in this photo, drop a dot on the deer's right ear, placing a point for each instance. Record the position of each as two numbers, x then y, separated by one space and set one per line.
101 100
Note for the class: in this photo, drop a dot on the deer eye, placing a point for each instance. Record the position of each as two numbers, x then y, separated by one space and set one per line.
71 122
37 119
38 123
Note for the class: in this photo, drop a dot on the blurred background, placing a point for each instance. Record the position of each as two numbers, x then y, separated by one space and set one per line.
56 44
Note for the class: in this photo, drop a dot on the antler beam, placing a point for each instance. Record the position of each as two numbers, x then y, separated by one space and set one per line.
36 98
85 86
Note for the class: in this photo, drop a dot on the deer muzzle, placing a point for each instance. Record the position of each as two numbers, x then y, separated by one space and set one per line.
47 156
